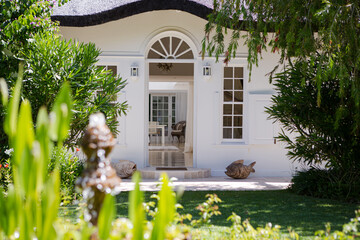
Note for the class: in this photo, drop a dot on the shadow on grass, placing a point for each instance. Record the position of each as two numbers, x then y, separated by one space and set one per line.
304 214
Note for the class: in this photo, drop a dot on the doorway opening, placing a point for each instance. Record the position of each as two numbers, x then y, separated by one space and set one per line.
170 112
170 60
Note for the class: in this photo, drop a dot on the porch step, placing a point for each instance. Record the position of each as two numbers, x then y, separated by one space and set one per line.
190 173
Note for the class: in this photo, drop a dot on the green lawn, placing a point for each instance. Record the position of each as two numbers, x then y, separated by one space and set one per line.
304 214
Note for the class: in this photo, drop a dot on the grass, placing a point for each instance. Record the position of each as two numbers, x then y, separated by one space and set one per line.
305 214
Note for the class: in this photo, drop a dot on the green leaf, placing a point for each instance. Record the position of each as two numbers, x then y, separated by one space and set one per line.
42 137
50 206
166 209
106 216
23 145
136 208
4 92
60 115
13 108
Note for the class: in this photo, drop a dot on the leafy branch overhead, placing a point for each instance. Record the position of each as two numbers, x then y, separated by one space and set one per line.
298 30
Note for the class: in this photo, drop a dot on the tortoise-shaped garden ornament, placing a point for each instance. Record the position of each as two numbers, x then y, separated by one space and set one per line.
238 170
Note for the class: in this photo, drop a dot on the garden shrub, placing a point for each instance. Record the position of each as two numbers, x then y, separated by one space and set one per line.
70 166
28 33
326 183
324 129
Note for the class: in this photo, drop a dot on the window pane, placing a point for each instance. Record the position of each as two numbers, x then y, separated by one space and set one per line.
228 96
113 69
166 112
238 96
239 72
154 113
227 133
238 109
227 108
166 106
237 133
228 84
101 67
228 72
238 84
238 121
227 121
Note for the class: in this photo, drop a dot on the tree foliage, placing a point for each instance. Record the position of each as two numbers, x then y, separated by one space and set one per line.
322 136
28 34
327 30
323 34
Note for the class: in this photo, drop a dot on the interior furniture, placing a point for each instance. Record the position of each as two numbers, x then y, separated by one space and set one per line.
178 130
153 130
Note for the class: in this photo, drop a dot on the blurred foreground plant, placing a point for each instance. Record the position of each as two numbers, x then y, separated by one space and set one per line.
30 208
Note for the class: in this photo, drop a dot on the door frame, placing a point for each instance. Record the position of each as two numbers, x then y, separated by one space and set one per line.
146 103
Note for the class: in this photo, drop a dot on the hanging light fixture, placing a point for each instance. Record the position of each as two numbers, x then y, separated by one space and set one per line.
165 67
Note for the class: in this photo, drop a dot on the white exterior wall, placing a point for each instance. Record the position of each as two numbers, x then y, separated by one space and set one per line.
124 44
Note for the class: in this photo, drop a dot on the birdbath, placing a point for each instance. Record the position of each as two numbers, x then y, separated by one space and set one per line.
98 177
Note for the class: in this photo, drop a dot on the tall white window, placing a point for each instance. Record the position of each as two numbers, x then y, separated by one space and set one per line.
233 101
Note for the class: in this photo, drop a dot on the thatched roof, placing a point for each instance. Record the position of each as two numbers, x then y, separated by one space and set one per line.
81 13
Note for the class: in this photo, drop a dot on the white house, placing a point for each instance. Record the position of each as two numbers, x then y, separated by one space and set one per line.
156 46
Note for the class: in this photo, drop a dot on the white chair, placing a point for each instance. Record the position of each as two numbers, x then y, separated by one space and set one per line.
153 129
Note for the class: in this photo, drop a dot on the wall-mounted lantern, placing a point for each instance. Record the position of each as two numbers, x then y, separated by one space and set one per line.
134 72
207 71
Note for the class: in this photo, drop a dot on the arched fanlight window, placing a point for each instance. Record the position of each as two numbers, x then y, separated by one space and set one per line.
170 48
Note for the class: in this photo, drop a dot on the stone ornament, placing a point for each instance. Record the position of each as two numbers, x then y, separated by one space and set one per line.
238 170
98 177
124 168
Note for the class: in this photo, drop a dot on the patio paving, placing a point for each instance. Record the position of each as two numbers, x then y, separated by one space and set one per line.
215 184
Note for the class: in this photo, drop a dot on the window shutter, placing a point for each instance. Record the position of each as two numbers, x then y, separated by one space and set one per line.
261 129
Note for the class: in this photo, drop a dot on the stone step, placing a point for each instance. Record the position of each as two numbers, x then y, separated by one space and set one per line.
190 173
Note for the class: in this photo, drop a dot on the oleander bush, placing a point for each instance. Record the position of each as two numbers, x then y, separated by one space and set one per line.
27 34
323 128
